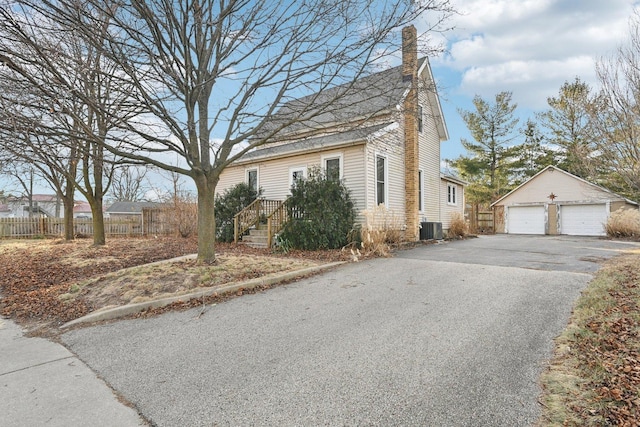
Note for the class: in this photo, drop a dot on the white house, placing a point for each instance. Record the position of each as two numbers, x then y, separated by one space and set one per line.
45 205
382 139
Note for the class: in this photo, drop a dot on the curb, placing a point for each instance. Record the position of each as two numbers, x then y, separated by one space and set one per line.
126 310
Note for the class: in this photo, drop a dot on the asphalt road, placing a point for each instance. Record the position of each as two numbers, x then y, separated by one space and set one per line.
454 334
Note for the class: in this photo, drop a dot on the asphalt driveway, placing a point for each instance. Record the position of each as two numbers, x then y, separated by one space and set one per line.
454 334
552 253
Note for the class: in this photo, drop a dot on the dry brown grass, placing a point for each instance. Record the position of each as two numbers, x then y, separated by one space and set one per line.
382 229
623 223
458 227
149 282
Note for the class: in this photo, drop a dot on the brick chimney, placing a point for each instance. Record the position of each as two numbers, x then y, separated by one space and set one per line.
410 111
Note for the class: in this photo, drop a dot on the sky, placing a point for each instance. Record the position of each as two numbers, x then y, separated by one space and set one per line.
527 47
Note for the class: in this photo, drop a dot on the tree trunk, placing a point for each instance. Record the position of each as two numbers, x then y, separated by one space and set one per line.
206 220
67 202
98 222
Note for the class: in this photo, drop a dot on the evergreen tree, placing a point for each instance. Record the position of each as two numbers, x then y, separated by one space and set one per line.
490 155
532 155
569 126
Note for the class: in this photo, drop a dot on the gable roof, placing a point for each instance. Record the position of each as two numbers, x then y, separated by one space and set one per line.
554 168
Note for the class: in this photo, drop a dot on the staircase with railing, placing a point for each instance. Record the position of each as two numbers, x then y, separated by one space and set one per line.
263 219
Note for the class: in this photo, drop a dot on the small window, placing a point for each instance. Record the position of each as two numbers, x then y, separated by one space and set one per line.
420 198
381 183
297 174
252 179
332 169
420 118
451 195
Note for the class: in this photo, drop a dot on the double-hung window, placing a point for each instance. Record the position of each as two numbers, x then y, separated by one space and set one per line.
332 165
451 194
381 180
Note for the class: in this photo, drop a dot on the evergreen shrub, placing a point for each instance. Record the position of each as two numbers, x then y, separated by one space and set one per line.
227 205
321 213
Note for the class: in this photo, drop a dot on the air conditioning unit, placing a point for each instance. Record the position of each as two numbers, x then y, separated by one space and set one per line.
431 231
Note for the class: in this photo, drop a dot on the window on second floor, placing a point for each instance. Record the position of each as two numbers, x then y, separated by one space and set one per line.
420 113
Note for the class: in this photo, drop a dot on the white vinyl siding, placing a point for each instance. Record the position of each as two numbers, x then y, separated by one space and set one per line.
429 151
447 209
390 145
274 174
231 176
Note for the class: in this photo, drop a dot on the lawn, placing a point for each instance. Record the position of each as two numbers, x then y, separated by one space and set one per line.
45 283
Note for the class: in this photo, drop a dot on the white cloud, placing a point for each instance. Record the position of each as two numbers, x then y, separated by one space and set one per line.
531 47
530 81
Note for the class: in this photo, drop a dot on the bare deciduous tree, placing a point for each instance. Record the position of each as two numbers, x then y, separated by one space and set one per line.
128 184
209 73
617 119
61 99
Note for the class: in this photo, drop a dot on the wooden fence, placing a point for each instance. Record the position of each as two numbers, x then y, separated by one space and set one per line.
481 219
15 228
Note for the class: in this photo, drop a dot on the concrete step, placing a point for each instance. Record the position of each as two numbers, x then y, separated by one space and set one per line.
255 238
256 245
258 232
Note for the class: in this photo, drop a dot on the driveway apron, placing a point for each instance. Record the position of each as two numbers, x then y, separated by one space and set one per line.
431 337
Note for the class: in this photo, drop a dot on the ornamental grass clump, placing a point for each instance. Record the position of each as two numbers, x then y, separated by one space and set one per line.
458 228
382 228
624 223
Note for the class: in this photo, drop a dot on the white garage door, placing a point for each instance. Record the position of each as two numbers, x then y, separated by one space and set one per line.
525 220
583 220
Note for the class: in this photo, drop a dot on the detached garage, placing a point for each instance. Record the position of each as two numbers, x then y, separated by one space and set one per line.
556 202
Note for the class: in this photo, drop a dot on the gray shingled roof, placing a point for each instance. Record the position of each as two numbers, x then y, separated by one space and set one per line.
319 142
367 97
